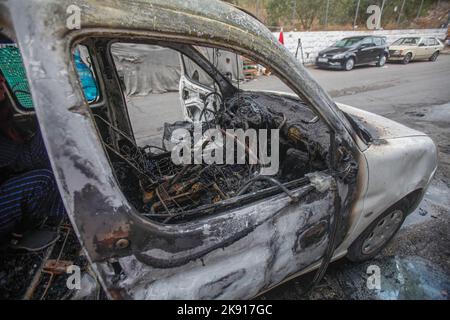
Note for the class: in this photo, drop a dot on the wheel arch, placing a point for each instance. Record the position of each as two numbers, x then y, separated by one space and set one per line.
413 55
411 201
352 56
407 204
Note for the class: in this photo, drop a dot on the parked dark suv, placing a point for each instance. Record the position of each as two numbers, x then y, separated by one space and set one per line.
354 51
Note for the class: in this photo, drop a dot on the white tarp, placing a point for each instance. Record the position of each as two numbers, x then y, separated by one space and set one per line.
147 69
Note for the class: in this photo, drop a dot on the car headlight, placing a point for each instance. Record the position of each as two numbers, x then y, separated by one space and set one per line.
339 56
398 52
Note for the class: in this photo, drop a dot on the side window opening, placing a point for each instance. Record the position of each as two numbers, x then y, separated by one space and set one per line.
163 89
432 42
378 41
367 41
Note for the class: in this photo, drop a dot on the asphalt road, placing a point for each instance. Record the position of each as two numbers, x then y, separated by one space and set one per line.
383 90
416 264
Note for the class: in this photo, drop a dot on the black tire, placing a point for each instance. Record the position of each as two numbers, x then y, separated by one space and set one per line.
381 60
349 64
407 58
357 252
434 56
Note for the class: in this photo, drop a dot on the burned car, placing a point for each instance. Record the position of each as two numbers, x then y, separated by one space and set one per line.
156 229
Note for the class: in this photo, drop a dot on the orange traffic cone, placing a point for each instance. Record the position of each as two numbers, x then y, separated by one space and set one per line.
281 37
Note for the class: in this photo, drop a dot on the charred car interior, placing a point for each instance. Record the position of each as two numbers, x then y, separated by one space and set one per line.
169 193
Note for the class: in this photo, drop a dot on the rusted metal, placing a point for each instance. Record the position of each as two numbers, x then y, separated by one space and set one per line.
57 267
109 240
122 243
37 276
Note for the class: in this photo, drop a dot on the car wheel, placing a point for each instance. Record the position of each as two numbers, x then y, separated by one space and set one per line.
407 58
377 235
434 56
349 64
381 61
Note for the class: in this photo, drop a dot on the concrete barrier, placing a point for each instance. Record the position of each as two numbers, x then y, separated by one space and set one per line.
315 41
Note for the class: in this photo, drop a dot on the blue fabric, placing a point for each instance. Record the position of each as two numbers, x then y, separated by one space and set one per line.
13 69
88 82
29 197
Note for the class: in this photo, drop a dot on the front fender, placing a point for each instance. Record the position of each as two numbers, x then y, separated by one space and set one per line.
396 168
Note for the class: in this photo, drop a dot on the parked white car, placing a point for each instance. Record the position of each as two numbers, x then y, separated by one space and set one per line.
415 48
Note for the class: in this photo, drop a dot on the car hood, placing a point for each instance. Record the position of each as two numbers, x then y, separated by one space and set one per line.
333 50
379 127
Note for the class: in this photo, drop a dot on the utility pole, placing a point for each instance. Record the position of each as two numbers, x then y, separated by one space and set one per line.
294 10
356 14
400 13
420 9
326 14
257 9
381 14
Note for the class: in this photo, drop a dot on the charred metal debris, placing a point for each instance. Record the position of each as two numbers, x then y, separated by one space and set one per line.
43 275
169 193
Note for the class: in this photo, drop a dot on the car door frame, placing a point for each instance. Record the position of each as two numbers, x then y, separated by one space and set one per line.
434 47
365 53
150 264
421 52
379 50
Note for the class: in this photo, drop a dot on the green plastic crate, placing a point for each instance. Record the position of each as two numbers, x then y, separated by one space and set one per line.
12 68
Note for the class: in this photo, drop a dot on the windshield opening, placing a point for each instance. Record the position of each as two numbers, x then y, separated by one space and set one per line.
407 41
347 42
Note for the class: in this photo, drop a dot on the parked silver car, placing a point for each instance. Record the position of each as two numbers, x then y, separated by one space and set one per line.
351 176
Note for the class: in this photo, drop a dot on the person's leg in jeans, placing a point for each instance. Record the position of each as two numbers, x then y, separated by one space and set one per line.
27 200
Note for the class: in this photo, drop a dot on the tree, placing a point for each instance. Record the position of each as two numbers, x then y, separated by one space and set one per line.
278 11
306 11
